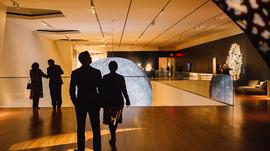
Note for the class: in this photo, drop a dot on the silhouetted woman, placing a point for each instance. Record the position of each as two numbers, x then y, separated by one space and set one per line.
36 84
114 88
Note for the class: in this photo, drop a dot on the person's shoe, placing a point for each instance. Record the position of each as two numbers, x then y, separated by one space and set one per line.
38 108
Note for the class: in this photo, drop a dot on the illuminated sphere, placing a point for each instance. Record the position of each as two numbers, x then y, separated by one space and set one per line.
137 83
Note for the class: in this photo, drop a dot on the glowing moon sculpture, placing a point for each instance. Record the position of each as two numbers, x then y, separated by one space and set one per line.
137 83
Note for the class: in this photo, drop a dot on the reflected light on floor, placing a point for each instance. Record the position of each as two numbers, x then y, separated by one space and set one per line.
61 139
259 96
6 114
86 149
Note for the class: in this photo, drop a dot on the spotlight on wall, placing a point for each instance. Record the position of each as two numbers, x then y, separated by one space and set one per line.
148 67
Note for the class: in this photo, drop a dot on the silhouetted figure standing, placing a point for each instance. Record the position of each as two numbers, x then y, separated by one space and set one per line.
219 69
36 84
54 73
226 69
114 88
87 80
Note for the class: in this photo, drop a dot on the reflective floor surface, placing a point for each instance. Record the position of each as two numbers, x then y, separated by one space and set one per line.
243 127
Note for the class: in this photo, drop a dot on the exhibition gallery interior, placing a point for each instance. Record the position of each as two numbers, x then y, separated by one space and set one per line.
196 74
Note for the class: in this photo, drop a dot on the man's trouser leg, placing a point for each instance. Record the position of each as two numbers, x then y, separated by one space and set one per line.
81 118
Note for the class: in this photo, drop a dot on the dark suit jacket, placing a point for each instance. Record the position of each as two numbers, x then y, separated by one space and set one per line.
54 73
113 89
87 80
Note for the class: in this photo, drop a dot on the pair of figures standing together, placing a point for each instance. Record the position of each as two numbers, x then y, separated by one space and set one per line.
54 73
89 92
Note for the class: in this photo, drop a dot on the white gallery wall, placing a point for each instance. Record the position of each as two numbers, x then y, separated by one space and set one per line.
2 24
22 47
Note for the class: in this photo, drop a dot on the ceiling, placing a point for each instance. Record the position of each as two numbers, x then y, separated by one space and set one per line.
184 23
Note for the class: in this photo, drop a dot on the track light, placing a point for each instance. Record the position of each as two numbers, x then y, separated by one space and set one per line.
68 37
46 24
153 22
43 23
96 15
15 4
93 7
161 12
94 11
221 17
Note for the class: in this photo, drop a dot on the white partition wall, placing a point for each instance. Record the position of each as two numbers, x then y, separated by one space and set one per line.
22 47
2 24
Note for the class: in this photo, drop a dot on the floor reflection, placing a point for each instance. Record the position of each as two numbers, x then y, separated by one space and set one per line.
35 123
56 124
113 147
61 139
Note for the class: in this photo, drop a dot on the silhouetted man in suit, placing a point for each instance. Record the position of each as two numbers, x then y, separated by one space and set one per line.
54 73
87 80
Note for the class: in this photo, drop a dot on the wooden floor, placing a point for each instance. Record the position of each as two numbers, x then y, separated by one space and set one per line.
244 127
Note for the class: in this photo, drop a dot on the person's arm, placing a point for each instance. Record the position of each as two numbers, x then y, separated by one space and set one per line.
100 89
60 69
48 72
43 74
124 91
31 74
72 89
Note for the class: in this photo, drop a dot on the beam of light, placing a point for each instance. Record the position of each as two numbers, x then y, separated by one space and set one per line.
6 115
86 149
61 139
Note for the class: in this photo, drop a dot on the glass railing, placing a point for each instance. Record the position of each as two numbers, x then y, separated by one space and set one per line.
217 87
13 92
